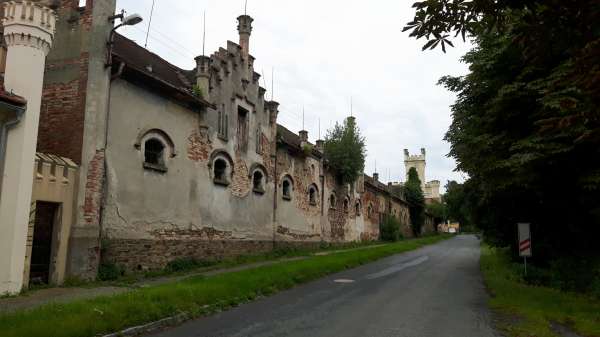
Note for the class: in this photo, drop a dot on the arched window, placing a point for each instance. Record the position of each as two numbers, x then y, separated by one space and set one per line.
154 155
332 201
312 195
286 189
357 208
346 205
370 210
220 171
258 182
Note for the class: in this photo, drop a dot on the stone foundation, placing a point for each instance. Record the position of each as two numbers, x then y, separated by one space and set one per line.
156 254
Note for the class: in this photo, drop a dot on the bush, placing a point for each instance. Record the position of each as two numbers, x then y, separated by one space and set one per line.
188 263
389 229
108 271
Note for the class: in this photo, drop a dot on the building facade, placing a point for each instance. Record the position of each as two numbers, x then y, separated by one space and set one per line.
173 163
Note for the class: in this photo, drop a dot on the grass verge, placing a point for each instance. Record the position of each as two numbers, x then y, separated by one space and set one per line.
529 310
195 296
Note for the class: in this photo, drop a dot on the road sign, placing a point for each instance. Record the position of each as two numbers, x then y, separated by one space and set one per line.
524 240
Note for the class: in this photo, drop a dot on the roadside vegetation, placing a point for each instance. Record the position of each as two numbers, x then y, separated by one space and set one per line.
114 274
526 132
195 296
528 310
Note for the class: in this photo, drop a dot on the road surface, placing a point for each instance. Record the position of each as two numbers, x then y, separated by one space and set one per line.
434 291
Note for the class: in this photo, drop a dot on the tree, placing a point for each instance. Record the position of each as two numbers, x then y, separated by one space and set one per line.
437 210
526 127
345 151
416 200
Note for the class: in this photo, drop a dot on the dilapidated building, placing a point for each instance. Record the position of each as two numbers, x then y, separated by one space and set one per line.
175 163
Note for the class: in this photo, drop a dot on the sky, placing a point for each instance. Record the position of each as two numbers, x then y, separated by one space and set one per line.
323 55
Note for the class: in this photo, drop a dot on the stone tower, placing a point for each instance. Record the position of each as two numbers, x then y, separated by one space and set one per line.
418 162
29 32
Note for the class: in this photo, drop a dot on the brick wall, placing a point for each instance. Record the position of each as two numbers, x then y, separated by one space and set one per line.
62 114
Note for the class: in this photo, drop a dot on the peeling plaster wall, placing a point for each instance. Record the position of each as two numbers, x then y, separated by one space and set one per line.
297 219
182 207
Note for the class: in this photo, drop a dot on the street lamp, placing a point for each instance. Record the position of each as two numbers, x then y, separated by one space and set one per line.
129 20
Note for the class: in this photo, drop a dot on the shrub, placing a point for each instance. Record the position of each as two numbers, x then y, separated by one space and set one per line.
188 263
389 229
108 271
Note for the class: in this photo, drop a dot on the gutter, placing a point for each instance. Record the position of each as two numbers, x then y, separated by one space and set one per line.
20 112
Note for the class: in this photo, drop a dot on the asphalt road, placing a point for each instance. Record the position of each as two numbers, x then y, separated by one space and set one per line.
434 291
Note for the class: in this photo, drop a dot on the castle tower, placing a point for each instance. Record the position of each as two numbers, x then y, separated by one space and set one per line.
28 31
418 162
245 29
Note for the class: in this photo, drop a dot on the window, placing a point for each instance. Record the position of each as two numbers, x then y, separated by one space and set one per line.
346 205
258 140
286 189
257 182
357 208
220 172
154 155
370 210
222 123
312 195
242 129
332 201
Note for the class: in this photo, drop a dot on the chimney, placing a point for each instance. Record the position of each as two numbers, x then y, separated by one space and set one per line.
303 137
273 108
406 154
245 29
376 176
203 76
423 151
320 145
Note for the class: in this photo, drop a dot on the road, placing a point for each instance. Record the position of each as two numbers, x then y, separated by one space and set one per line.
434 291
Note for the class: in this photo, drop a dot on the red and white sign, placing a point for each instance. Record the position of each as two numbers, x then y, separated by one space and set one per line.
524 240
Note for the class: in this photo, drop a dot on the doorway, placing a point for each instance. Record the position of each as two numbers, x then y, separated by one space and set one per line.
41 248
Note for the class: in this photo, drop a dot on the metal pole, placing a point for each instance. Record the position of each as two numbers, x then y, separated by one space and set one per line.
149 23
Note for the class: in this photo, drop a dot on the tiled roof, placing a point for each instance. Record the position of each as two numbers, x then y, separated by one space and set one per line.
154 68
11 98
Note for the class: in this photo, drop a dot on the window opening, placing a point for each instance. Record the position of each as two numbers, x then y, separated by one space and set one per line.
220 172
286 190
257 182
332 201
312 196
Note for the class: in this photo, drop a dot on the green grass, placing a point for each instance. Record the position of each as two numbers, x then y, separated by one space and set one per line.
196 296
526 310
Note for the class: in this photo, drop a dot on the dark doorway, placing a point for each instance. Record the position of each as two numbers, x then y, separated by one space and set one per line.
41 250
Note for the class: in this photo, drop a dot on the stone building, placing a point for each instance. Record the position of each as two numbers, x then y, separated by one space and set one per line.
431 189
165 163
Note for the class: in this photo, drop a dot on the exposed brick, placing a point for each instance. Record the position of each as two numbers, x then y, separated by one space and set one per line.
199 146
62 114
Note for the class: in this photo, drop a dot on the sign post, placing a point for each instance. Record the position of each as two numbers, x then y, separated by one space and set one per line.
524 242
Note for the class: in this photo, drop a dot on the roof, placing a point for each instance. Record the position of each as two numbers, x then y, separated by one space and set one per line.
393 191
10 98
155 71
292 140
287 136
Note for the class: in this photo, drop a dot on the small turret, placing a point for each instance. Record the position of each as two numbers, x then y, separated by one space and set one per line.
245 30
203 76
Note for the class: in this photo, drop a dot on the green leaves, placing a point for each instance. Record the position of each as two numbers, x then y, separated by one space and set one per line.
345 151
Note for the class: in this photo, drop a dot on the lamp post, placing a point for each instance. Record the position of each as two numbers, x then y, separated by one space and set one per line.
129 20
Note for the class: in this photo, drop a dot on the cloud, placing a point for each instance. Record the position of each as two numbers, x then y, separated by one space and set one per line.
323 53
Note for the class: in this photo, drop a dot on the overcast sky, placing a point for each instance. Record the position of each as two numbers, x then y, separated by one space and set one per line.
323 53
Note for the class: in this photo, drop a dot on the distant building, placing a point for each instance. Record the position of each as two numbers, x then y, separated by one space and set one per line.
431 189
